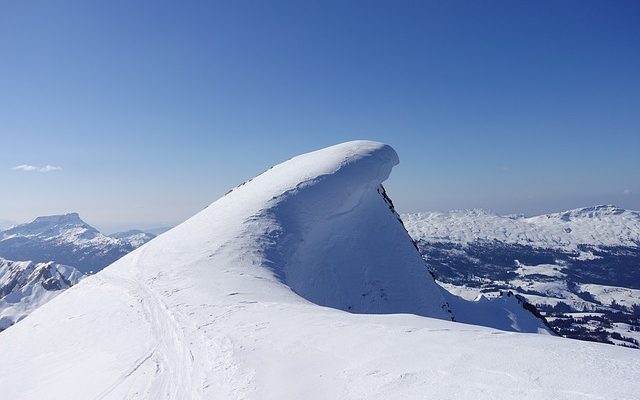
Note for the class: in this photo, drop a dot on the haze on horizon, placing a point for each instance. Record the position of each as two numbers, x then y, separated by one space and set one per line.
141 114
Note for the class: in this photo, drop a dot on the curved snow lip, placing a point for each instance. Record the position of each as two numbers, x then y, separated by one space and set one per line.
365 160
320 224
335 241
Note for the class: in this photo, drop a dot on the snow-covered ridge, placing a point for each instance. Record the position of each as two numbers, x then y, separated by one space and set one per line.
606 226
319 224
229 305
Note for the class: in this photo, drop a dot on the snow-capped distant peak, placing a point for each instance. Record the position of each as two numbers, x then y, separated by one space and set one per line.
52 226
66 239
588 212
62 220
72 217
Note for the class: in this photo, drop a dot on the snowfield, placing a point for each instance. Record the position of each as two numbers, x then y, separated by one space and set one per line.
277 291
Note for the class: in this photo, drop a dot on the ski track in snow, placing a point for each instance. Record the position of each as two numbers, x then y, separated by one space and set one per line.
183 358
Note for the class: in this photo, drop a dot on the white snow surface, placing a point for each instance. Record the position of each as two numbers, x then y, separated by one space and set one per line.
603 225
548 270
607 295
229 305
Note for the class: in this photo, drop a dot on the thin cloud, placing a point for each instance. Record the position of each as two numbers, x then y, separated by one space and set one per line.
626 191
34 168
25 168
50 168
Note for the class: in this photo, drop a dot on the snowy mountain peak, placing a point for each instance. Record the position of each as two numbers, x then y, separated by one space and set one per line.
65 239
590 212
54 225
323 229
72 217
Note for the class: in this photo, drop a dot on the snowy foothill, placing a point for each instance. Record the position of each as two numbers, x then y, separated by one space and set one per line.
301 283
610 295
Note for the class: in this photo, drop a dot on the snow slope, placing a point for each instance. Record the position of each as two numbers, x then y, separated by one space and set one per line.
229 305
609 295
595 226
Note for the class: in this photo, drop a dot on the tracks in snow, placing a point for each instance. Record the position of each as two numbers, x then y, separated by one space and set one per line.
187 363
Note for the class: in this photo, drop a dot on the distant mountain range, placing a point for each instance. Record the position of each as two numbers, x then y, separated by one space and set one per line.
5 223
580 267
601 226
40 259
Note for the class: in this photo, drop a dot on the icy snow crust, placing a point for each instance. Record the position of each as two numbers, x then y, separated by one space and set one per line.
222 306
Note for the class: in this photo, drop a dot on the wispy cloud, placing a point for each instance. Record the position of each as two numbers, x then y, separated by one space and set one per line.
50 168
626 191
35 168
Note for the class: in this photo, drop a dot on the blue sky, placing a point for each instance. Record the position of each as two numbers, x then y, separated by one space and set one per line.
154 109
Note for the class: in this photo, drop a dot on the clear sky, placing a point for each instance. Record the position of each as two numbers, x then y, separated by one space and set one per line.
141 113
